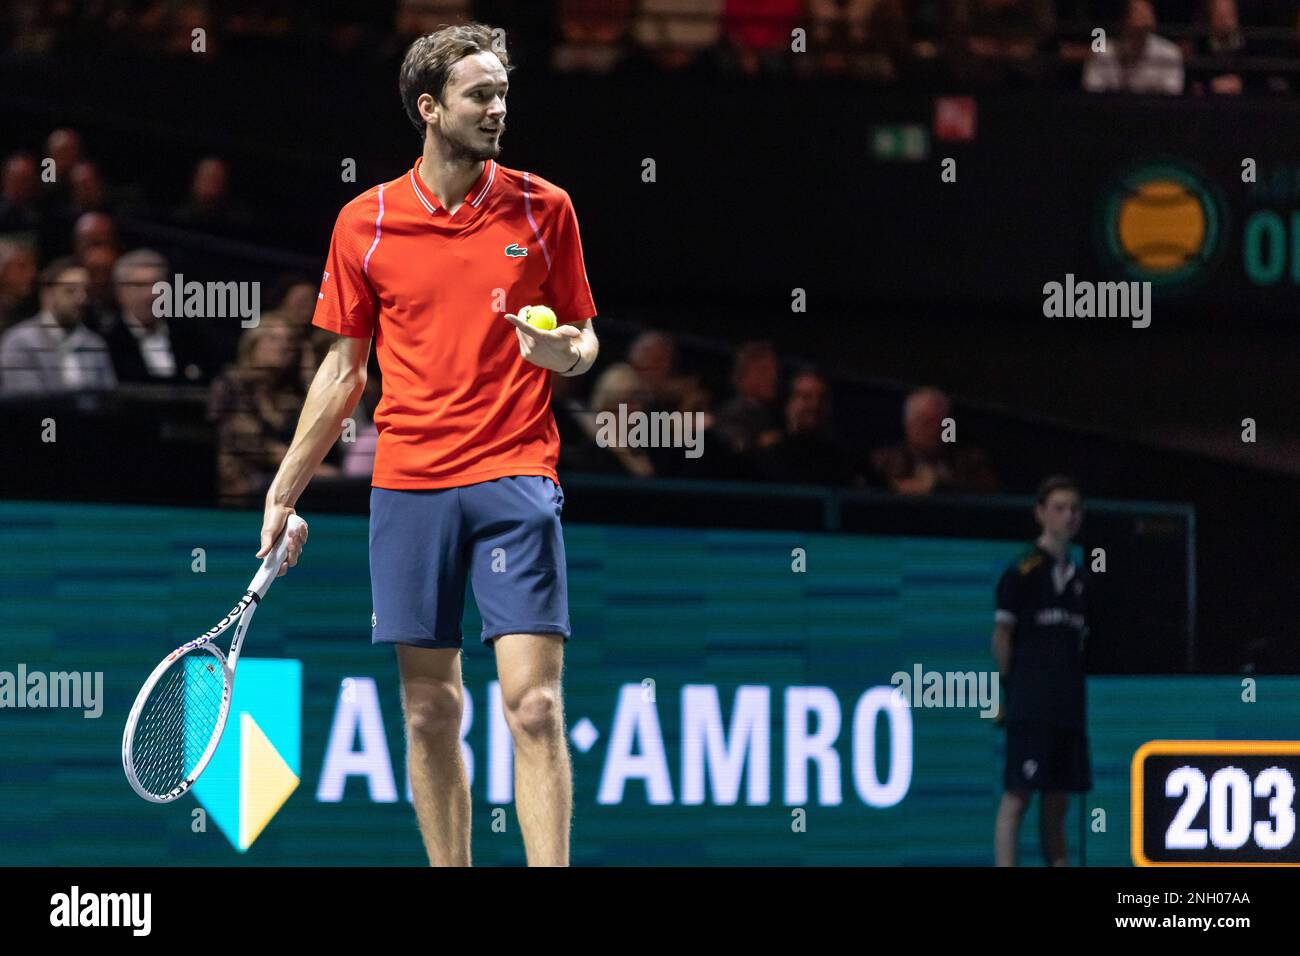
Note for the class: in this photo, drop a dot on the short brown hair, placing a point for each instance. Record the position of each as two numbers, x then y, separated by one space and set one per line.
53 272
429 59
1056 483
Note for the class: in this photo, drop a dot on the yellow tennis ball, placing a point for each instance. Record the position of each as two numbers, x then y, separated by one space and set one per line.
538 316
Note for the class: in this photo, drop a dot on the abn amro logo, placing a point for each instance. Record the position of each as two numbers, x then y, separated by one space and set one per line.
258 763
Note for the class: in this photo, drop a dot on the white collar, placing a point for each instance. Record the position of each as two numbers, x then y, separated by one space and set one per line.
1062 572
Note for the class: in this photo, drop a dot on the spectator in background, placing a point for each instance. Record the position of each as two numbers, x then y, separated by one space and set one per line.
710 455
17 282
98 261
54 351
294 296
84 192
87 187
806 452
93 229
1137 61
19 194
998 40
592 33
617 385
1219 51
654 357
864 38
675 32
255 406
210 206
758 32
925 463
751 419
63 146
146 347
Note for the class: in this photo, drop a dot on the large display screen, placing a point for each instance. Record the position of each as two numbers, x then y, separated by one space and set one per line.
731 698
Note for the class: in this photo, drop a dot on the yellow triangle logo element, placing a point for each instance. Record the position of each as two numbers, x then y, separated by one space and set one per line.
265 781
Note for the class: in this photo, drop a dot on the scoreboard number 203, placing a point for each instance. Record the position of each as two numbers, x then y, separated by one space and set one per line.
1215 803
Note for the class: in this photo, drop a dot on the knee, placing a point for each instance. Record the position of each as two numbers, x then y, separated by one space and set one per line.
433 712
1015 803
535 713
1053 811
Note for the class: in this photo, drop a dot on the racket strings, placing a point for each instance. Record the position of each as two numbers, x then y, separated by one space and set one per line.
177 722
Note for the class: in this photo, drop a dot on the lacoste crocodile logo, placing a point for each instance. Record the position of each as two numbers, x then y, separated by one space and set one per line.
515 250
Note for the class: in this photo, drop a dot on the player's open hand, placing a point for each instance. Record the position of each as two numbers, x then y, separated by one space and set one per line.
273 522
556 349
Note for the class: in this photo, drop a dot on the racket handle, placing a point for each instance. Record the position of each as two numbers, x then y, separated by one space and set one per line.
271 563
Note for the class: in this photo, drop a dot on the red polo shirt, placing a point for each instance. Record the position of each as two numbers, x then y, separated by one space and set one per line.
460 405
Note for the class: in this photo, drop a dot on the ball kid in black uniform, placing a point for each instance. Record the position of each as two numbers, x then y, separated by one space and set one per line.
1040 628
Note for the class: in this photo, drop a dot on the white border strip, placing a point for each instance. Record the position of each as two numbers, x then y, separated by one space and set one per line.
365 266
528 211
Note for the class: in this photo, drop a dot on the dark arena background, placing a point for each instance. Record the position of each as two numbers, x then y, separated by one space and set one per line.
851 240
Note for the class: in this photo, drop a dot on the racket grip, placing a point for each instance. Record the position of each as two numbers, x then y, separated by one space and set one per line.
271 563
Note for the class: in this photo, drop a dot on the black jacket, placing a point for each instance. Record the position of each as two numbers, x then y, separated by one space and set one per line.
129 364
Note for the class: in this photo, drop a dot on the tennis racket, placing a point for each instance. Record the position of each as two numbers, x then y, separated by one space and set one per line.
178 716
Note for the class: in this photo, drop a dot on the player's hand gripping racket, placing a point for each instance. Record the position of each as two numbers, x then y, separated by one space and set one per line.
180 712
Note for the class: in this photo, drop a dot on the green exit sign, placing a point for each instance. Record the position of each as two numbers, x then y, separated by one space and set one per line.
900 142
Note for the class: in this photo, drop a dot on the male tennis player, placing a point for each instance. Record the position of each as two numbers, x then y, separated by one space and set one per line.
434 265
1039 630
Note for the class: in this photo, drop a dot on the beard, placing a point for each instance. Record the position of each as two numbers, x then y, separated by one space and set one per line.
472 149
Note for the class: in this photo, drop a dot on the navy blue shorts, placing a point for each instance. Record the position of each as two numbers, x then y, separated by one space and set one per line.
1043 756
504 536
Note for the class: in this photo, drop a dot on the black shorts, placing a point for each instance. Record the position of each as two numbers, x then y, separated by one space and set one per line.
1043 756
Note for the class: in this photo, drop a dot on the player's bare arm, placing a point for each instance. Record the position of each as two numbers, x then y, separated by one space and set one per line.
1002 648
570 349
1002 654
333 395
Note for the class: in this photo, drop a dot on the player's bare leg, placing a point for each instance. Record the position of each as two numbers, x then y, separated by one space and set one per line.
1051 827
1007 832
433 700
529 667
